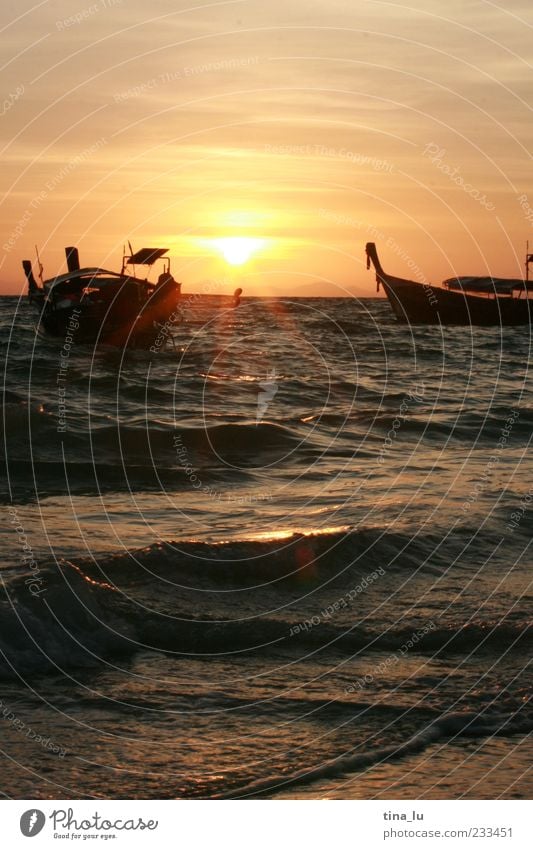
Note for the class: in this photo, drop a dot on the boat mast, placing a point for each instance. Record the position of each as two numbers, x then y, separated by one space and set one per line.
39 264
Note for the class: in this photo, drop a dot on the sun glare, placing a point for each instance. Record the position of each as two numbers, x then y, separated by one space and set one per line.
238 249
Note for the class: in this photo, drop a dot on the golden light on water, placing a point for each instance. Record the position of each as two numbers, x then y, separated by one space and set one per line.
288 533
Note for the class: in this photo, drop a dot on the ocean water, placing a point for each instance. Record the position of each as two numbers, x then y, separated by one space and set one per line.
285 555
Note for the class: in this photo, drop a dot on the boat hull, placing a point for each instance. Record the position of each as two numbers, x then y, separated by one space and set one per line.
87 325
414 303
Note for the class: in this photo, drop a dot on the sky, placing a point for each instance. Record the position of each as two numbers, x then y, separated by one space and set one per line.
302 128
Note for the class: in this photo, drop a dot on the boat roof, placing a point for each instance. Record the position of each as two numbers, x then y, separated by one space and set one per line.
83 273
146 256
498 285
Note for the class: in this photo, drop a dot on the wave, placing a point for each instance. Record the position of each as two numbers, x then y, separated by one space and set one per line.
288 557
447 727
121 457
58 616
56 619
42 479
143 436
152 434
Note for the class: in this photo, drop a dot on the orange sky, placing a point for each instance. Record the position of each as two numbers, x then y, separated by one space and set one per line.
310 125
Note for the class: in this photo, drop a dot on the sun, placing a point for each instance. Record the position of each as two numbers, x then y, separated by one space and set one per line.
238 249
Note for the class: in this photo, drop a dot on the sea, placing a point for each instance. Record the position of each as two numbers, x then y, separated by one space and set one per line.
284 554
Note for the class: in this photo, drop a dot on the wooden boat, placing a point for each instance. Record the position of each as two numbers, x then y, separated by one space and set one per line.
96 306
484 301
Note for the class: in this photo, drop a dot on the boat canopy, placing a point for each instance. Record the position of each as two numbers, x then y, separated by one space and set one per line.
493 285
83 276
146 256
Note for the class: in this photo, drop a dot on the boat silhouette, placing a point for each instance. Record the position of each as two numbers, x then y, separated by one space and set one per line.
483 301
